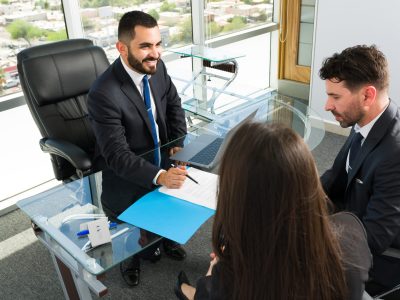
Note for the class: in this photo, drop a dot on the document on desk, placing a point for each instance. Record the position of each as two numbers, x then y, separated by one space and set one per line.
204 193
175 214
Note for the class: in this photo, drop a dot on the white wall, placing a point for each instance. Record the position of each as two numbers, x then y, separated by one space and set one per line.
343 23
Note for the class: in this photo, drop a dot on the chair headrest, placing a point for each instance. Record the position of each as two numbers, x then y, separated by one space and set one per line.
63 75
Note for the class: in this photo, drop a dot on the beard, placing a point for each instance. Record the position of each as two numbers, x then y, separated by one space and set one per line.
350 117
139 65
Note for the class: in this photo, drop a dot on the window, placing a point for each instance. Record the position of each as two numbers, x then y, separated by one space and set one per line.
100 21
23 24
297 27
223 17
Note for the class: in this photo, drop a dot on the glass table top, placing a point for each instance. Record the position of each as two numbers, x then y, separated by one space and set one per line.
60 211
271 108
206 53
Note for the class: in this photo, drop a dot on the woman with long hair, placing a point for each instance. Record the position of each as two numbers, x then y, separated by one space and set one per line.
272 236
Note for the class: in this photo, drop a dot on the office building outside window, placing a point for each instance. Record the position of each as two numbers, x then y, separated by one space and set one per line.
100 21
227 16
24 24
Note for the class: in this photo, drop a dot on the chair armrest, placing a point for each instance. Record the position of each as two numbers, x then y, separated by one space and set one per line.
392 252
72 153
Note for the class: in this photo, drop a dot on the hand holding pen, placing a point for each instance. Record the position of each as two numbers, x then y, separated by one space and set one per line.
187 175
173 178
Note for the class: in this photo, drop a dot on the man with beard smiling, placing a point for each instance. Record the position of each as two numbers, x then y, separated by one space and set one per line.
365 176
134 108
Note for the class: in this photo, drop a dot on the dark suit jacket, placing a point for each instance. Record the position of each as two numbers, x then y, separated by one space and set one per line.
123 131
371 190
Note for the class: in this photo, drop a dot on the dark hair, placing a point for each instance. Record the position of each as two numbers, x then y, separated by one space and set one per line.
357 66
128 22
271 230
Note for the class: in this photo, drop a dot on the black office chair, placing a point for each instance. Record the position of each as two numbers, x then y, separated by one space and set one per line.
392 293
55 79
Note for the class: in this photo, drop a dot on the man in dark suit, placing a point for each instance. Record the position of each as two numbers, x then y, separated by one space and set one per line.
134 108
365 176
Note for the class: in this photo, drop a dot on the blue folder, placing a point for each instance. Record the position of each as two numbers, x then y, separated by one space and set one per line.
167 216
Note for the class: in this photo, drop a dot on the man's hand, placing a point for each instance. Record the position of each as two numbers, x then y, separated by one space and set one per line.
174 150
173 178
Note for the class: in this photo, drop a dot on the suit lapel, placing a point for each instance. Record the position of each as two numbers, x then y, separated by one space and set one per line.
376 134
128 87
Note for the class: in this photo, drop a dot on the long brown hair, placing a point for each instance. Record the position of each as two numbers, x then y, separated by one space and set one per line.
271 230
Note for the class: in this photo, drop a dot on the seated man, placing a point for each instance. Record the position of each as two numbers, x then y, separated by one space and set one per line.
365 177
134 108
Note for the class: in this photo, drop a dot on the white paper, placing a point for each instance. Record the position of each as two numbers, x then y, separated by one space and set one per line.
204 193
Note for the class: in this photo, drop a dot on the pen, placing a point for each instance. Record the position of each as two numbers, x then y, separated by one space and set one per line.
86 232
191 178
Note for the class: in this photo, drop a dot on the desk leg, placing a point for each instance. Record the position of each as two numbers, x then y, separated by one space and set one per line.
75 281
73 287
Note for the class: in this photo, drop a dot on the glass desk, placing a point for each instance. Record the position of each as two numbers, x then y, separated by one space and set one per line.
213 58
56 217
272 108
57 214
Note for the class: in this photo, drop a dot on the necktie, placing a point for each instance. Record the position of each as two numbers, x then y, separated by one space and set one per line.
354 148
147 101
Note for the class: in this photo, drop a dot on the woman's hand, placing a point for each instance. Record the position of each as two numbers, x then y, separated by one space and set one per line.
214 260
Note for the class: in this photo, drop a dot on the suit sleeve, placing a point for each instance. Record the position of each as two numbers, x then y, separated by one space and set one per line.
106 119
334 180
175 116
382 217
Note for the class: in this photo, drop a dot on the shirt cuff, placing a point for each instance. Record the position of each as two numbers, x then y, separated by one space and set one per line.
156 177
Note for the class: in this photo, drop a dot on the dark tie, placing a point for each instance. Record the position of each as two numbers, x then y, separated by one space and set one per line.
354 148
147 101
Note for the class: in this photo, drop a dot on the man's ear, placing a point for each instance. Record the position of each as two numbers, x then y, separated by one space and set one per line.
369 93
122 49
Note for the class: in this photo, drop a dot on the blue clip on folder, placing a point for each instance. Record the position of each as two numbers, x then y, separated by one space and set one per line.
167 216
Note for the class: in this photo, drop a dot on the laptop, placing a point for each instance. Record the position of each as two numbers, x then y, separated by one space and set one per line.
206 150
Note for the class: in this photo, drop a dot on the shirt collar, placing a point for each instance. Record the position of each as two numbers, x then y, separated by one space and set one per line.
364 131
136 76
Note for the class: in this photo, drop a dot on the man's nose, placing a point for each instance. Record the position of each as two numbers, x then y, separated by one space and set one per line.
155 53
329 105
